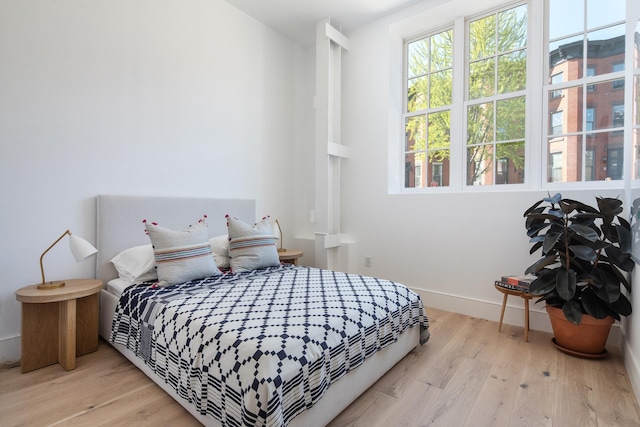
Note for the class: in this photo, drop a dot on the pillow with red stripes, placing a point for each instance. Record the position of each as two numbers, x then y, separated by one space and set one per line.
182 255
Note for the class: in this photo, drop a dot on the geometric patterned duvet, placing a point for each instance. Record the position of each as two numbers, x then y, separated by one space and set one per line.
259 348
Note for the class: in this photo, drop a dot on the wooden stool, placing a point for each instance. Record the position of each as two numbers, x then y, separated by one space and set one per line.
526 296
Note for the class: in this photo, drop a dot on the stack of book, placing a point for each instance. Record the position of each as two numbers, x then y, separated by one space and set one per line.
516 283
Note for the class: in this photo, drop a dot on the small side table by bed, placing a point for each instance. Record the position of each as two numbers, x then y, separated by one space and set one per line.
526 296
289 255
59 324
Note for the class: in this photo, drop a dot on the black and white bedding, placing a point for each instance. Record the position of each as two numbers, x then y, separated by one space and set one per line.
259 348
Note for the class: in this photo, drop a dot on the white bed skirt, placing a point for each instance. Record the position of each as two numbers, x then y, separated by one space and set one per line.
336 399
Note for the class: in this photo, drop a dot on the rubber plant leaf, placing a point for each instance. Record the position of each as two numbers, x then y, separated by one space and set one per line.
584 231
572 311
584 252
566 283
593 305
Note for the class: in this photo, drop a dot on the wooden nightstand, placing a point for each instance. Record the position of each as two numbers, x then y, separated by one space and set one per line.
59 324
290 256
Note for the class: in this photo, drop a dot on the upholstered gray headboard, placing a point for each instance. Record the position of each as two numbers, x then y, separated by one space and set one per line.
119 221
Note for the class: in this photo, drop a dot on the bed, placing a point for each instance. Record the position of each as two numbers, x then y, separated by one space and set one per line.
147 325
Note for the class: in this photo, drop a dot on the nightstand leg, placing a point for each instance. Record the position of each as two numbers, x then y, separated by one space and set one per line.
67 344
504 305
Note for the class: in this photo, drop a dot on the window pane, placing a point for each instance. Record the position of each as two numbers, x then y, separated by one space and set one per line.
566 56
439 130
482 78
417 94
565 17
479 165
416 134
617 84
604 151
414 165
608 105
565 111
510 119
512 71
606 47
441 88
418 58
480 123
512 29
442 50
482 38
600 13
510 163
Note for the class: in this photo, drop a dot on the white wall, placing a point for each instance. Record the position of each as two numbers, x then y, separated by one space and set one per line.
153 97
451 246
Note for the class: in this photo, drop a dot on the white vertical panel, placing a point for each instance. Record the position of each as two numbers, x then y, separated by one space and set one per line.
329 151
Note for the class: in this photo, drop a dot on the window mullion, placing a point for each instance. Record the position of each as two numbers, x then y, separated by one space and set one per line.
536 109
458 118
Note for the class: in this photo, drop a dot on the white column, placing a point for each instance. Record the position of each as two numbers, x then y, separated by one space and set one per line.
329 149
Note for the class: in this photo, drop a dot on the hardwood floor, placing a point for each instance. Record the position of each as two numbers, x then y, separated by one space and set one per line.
468 374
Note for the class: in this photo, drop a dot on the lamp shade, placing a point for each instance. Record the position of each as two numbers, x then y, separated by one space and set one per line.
80 248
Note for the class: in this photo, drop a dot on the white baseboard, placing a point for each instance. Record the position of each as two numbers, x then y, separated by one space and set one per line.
490 310
9 350
632 366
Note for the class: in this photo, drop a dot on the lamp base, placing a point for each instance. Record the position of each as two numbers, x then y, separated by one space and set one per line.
51 285
282 250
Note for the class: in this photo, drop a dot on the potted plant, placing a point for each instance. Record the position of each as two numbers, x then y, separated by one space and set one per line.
585 262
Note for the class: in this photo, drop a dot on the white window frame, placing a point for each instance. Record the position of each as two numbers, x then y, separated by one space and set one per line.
537 120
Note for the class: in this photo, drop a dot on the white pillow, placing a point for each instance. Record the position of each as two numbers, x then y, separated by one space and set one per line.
251 247
136 264
220 249
182 255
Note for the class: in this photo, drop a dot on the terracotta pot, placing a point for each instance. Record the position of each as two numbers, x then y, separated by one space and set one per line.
589 337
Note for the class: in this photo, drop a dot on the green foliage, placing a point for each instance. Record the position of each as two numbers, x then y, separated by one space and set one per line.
586 256
497 55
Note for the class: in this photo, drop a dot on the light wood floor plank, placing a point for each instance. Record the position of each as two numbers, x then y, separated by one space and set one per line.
535 396
467 374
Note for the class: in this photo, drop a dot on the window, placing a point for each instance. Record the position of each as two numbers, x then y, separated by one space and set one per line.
555 79
590 119
469 118
428 104
591 71
556 123
616 84
617 116
495 110
556 167
436 177
584 38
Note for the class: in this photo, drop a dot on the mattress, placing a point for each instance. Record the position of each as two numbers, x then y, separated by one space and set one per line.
117 286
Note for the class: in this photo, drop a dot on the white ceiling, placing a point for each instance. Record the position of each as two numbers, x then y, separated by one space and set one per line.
297 19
